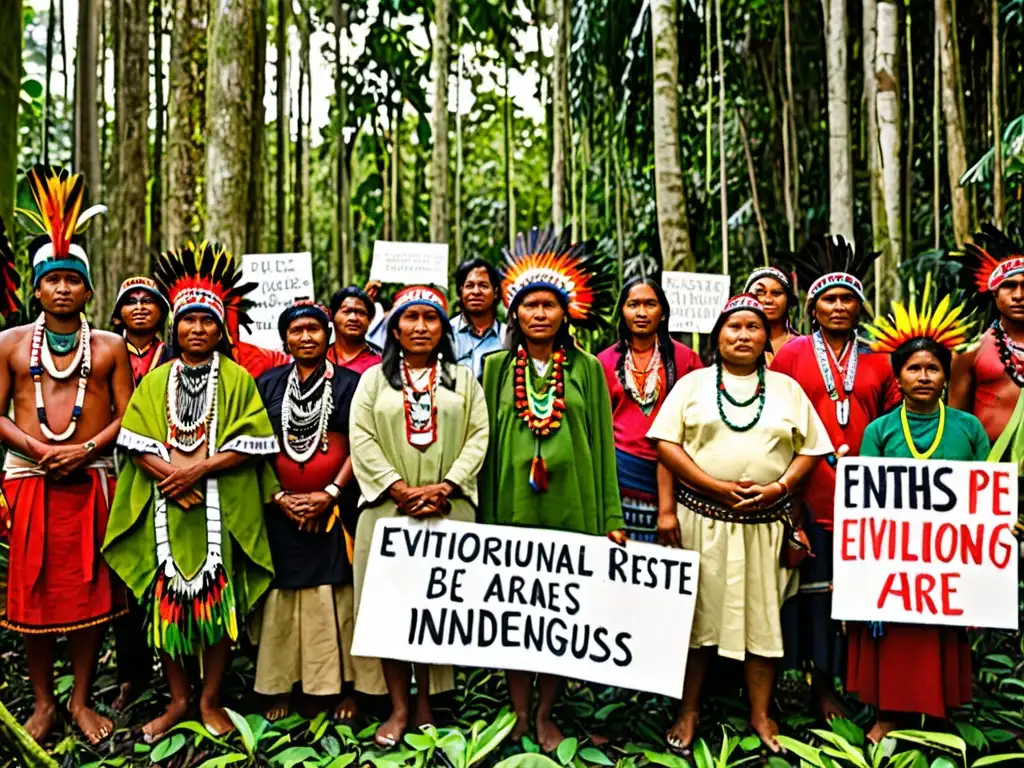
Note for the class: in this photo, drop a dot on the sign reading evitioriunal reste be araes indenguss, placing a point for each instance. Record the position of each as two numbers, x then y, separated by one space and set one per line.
445 592
925 542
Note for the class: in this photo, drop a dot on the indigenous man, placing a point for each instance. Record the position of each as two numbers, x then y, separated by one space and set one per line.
476 330
849 388
986 380
186 532
139 313
352 310
63 390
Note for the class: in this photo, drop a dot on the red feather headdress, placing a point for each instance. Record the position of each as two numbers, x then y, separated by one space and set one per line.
10 280
988 261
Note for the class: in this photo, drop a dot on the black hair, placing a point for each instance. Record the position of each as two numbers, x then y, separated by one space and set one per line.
351 292
716 355
291 314
463 270
901 356
223 346
665 344
514 336
115 315
391 357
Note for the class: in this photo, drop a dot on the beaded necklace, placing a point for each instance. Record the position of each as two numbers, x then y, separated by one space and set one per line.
189 413
824 355
910 439
304 416
61 343
1010 354
420 408
723 394
643 386
40 359
541 405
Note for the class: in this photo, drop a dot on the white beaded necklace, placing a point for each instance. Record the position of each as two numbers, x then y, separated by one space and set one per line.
293 397
40 359
188 436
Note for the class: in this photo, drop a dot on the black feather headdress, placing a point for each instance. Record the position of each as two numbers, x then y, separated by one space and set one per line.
992 258
830 261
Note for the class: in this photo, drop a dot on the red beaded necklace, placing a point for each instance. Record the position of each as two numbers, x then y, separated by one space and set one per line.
546 425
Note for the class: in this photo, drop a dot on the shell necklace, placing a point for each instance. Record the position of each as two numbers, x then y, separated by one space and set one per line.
188 431
40 359
304 416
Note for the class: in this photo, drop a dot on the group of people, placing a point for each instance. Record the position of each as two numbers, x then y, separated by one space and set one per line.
248 480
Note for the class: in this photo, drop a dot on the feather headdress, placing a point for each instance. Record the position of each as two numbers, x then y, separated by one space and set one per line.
205 277
988 261
59 196
831 262
543 259
10 280
944 323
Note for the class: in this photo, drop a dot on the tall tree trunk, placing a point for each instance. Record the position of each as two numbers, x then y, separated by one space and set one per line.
156 205
789 153
10 91
936 129
396 165
87 156
439 126
51 31
342 211
510 192
64 53
230 115
131 252
879 235
186 124
908 172
458 154
670 193
723 179
255 240
559 117
762 230
283 126
301 160
998 203
886 75
956 149
840 215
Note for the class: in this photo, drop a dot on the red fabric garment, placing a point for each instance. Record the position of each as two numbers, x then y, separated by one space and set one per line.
144 363
910 668
58 581
257 360
875 392
317 473
628 419
358 364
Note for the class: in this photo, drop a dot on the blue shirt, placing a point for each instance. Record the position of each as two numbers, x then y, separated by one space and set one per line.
471 349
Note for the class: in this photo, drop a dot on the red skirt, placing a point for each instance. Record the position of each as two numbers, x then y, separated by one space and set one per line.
910 668
58 581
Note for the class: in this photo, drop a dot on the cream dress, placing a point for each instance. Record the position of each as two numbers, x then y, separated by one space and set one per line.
741 586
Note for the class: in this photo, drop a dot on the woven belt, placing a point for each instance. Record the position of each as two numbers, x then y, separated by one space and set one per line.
705 506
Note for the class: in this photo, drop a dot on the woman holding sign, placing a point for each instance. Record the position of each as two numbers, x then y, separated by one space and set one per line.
740 439
418 433
551 461
900 668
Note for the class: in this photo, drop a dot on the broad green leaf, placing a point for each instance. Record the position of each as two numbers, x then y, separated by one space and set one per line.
419 741
604 712
805 752
909 759
567 750
342 760
490 737
244 731
972 735
702 755
167 747
220 762
595 756
943 762
531 746
981 762
331 745
999 735
750 743
293 756
935 740
666 759
259 725
290 722
200 731
141 749
527 760
33 88
280 741
849 730
773 762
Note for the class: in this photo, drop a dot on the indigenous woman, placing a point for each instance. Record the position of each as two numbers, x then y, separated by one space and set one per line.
901 668
641 368
419 434
774 289
352 310
305 632
186 529
551 460
740 439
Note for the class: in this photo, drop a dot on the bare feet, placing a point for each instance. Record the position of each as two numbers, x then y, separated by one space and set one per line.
880 730
522 726
155 729
126 695
215 719
829 705
94 726
424 714
278 709
680 735
44 717
347 710
391 730
549 736
767 729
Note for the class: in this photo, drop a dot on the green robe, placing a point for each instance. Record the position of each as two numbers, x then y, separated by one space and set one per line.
583 491
130 546
963 438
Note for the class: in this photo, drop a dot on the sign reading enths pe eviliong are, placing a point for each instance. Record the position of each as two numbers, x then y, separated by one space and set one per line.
445 592
925 542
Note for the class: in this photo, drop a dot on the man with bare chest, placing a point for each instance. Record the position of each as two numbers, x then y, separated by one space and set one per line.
987 379
69 386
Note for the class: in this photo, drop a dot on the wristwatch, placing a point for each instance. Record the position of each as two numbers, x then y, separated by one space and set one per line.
333 490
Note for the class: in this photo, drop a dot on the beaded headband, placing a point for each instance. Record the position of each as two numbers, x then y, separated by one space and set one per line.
139 283
743 301
771 272
195 299
835 280
303 307
420 294
988 261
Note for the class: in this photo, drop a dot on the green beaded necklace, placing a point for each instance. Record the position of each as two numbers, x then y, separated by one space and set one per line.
759 395
61 343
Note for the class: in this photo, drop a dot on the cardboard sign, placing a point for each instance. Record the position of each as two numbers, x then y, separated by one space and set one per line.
444 592
696 300
410 263
926 542
281 278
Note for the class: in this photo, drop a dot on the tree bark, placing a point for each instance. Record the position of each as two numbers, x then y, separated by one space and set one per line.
156 205
459 163
755 199
559 117
439 126
840 219
887 72
230 114
936 129
956 149
51 31
789 152
879 234
255 241
342 211
510 193
670 193
301 161
723 178
87 156
283 127
10 90
998 203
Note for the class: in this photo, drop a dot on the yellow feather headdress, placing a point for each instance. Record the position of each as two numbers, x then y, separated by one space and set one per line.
942 323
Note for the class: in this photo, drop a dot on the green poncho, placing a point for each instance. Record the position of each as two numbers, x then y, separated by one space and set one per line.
963 438
195 585
583 491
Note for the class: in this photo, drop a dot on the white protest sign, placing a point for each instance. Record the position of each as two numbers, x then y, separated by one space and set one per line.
281 278
696 300
445 592
925 542
410 263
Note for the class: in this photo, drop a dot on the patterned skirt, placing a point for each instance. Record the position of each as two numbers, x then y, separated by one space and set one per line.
638 489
